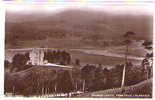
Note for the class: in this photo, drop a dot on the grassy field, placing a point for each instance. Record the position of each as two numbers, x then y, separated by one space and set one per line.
85 58
99 59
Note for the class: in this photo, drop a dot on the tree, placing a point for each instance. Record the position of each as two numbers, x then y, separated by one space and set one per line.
147 63
127 42
115 78
68 58
98 81
19 61
6 64
64 82
77 62
76 75
27 57
87 74
49 56
147 44
98 72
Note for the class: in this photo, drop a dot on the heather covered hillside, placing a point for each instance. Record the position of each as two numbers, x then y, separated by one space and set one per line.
84 27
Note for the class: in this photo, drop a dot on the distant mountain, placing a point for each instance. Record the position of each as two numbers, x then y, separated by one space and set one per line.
75 23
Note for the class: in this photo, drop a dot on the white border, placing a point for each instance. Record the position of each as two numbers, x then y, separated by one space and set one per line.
2 32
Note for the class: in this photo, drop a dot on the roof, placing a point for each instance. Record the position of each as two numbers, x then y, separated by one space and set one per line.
51 64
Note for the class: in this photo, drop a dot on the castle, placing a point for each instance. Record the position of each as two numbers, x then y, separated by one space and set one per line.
37 56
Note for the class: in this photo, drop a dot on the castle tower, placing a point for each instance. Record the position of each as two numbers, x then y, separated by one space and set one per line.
37 56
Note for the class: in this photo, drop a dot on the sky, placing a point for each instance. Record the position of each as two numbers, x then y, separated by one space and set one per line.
54 8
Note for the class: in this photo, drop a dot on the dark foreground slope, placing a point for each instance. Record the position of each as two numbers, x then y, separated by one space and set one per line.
30 81
141 90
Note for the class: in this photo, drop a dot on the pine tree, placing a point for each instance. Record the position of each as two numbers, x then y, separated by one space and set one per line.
127 42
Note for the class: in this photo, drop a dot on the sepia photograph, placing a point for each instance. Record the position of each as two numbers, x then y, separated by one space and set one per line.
78 51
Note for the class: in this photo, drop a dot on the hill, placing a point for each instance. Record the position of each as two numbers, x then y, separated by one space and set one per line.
29 81
84 27
140 90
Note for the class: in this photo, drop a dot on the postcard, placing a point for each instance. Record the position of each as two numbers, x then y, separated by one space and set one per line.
84 50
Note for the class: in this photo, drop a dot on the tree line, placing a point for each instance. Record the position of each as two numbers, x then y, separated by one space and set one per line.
57 56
